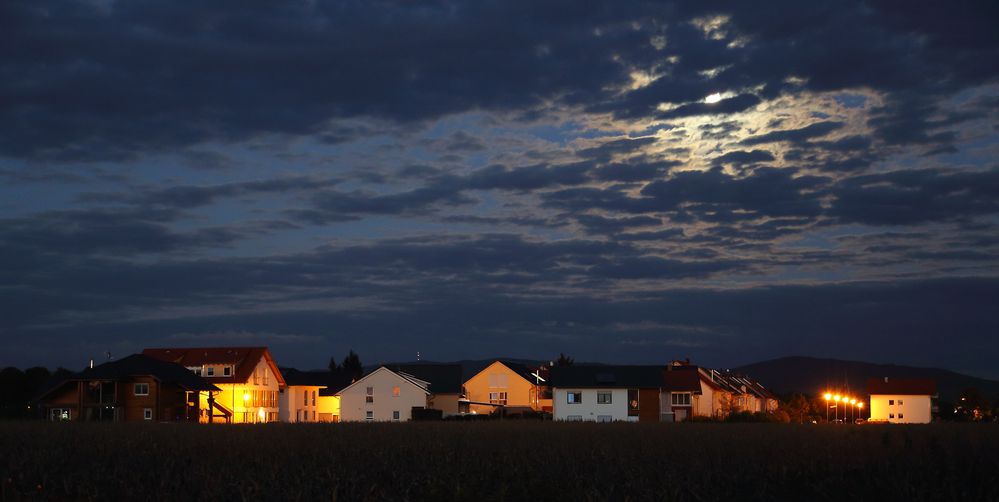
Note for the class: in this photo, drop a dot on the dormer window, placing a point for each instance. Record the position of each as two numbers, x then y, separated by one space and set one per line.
210 371
227 371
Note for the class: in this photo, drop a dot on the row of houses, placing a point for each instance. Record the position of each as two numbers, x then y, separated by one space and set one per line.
245 385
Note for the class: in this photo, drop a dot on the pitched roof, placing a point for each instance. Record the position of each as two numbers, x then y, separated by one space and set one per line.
443 378
524 371
633 376
244 358
902 386
684 379
139 365
325 379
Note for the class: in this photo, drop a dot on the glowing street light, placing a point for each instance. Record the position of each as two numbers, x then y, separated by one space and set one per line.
827 396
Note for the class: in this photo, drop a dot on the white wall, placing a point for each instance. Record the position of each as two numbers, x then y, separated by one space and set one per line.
294 409
354 406
914 409
589 410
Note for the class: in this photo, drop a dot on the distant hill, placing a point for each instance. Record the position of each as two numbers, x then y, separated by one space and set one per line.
811 375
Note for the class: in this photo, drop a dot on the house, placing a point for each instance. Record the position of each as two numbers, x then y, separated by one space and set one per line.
902 400
510 386
249 380
133 389
445 384
383 395
606 393
690 391
310 396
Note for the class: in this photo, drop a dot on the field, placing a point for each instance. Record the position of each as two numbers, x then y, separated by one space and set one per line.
499 461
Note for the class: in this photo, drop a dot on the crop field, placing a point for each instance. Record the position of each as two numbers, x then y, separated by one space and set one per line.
498 461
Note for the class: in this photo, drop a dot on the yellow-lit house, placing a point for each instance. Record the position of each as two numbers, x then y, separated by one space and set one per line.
249 380
310 396
902 400
509 385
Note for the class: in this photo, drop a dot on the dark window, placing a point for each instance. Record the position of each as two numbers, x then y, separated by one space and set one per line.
141 389
891 402
574 397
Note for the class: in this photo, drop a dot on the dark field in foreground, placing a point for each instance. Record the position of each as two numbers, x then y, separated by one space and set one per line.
499 461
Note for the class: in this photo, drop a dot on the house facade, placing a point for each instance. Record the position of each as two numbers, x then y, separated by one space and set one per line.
508 385
606 393
383 396
902 400
693 391
249 381
310 396
133 389
445 384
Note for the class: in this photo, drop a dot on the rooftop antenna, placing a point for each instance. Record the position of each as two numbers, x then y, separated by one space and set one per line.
108 353
91 363
417 355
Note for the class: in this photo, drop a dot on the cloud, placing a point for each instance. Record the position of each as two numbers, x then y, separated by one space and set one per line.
800 135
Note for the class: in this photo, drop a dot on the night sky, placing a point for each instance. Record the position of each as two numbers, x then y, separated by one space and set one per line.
622 182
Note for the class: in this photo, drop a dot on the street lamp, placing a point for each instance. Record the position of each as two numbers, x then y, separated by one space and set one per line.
246 401
853 403
827 396
836 398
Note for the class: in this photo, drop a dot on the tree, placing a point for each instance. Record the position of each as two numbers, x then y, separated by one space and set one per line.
798 408
564 360
973 406
333 366
352 366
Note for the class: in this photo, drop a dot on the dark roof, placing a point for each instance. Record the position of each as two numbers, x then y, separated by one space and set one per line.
902 386
647 377
682 379
140 365
525 371
244 358
443 378
326 379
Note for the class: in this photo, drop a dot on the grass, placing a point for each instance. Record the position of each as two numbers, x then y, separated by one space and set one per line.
499 461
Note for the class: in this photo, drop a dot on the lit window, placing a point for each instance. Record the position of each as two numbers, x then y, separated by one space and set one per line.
574 397
395 416
147 414
141 389
395 391
210 371
497 398
603 398
680 398
370 415
632 402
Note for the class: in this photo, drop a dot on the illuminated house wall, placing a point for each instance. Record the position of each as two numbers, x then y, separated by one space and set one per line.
901 409
499 384
300 403
247 377
329 408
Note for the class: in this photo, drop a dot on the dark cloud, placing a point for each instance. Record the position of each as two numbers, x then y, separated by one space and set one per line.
741 157
800 135
607 150
499 177
726 106
913 197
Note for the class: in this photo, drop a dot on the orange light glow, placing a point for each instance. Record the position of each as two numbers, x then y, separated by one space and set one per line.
827 396
246 396
861 404
836 398
853 401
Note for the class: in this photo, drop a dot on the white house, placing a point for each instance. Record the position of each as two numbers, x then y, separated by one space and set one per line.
902 400
606 393
383 396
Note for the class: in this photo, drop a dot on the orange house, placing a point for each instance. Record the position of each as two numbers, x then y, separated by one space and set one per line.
510 386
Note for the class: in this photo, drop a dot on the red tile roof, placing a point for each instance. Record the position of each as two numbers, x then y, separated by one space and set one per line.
902 386
244 358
